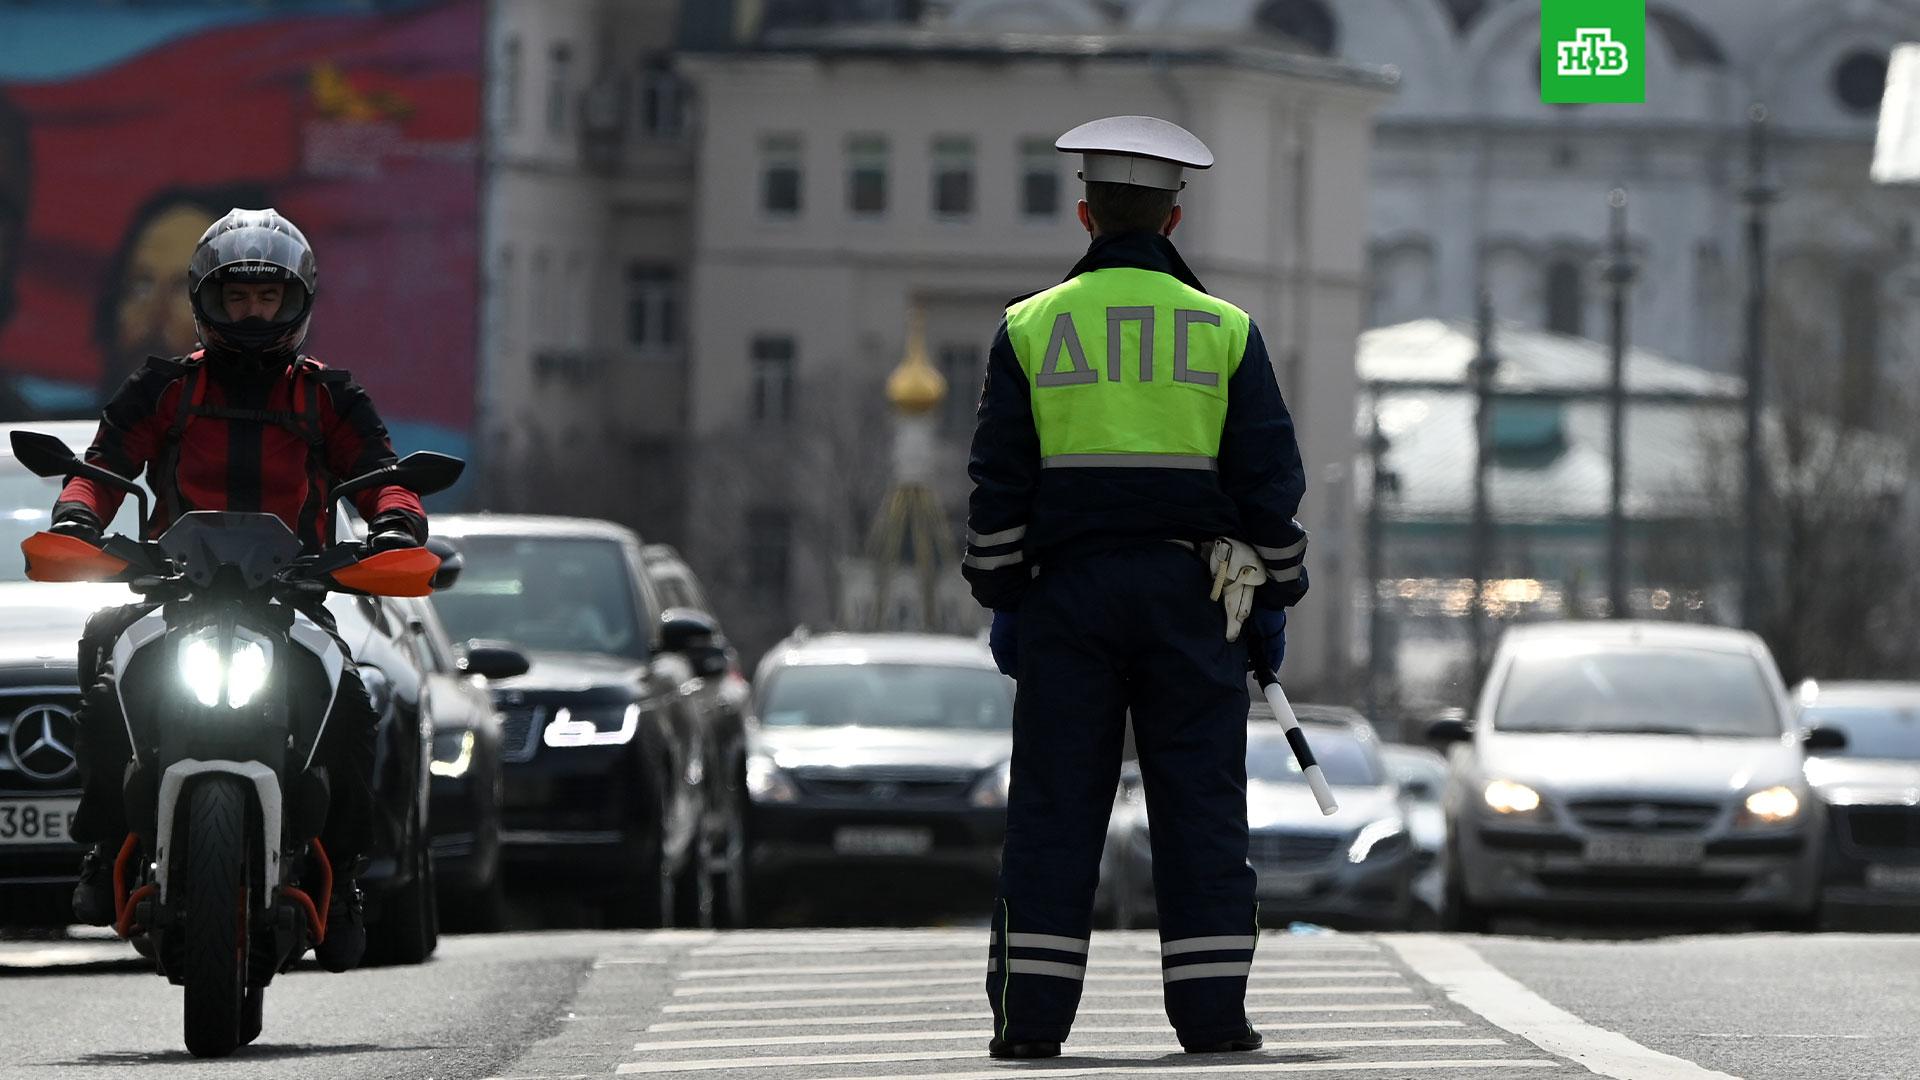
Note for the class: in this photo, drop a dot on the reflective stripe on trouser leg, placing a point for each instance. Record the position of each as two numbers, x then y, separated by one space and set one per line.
1189 704
1068 730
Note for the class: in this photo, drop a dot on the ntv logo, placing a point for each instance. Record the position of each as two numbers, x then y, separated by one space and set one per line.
1592 52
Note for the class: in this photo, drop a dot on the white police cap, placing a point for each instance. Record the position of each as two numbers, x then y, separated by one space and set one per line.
1138 150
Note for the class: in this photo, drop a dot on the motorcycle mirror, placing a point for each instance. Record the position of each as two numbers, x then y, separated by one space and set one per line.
422 472
451 562
45 455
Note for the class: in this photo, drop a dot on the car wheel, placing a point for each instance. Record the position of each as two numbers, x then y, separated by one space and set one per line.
729 874
409 927
645 897
1458 913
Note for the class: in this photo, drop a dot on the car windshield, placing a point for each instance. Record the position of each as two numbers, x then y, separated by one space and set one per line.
1410 767
1638 691
1346 760
888 695
26 507
544 594
1873 731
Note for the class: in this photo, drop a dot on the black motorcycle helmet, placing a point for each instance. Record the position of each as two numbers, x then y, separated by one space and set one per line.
252 247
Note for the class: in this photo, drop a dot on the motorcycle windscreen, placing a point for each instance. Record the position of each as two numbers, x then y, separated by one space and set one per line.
406 572
205 541
54 557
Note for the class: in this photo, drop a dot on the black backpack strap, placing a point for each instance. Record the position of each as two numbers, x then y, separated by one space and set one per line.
167 473
310 380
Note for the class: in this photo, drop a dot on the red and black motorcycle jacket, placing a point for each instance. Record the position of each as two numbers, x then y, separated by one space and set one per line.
212 436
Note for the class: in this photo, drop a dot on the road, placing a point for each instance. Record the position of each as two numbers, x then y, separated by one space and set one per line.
902 1003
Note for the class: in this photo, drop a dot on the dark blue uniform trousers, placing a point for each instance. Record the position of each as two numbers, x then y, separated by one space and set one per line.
1130 630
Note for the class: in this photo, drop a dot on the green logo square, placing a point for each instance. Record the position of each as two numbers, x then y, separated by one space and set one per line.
1593 51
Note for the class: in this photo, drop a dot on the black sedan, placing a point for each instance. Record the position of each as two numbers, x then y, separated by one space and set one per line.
1871 786
603 738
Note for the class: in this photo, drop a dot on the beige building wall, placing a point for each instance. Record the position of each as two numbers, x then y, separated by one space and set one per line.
1278 227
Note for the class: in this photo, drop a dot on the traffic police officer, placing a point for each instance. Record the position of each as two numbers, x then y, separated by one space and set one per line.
1130 421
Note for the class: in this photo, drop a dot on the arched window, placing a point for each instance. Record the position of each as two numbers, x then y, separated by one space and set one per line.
1566 301
1308 22
1858 80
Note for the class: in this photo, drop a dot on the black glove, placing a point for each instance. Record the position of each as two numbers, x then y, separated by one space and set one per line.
79 523
391 531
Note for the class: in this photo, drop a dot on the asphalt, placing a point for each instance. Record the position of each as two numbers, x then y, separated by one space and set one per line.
898 1002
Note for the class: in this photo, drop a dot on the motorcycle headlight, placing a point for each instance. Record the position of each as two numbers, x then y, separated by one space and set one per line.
1774 805
211 676
991 792
594 725
766 782
1507 797
452 754
1377 836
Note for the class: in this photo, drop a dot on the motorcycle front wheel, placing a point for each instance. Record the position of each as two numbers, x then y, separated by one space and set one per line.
216 913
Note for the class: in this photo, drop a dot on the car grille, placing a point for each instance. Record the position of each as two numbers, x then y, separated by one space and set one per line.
33 761
1881 828
1642 815
520 729
895 787
1288 848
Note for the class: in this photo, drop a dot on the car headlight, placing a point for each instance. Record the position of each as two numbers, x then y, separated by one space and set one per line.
593 726
452 754
991 792
212 677
1774 805
1507 797
1373 836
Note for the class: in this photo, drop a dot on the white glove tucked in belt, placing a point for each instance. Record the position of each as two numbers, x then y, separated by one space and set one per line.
1237 572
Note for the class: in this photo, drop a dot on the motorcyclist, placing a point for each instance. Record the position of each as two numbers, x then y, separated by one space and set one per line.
247 423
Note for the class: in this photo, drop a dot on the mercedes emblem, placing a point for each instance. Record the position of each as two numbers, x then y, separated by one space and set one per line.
41 742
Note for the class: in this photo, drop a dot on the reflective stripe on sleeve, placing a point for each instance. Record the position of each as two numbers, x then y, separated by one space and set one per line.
1291 551
1004 536
993 562
1291 573
1197 462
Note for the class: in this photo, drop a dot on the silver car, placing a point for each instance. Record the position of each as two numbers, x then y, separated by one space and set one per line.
1870 784
1615 767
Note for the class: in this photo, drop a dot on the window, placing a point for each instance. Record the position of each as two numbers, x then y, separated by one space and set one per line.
773 379
663 98
780 175
960 365
1858 80
867 174
1305 21
506 95
769 541
1565 303
1039 178
653 305
953 176
559 88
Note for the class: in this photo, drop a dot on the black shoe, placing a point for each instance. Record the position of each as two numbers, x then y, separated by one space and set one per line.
1237 1045
93 899
346 940
1001 1048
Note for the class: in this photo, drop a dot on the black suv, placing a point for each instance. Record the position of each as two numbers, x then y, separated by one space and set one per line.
604 740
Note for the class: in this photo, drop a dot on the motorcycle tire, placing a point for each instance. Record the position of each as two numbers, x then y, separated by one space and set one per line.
253 1015
217 916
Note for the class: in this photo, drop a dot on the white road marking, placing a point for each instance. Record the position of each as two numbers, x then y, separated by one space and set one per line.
935 999
1256 1066
1298 968
1153 979
735 947
934 1018
817 1060
946 999
1503 1001
949 1036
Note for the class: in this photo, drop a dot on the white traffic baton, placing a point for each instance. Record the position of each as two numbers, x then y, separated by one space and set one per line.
1283 712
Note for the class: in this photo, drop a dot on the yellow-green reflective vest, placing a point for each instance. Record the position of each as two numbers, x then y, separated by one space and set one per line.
1128 368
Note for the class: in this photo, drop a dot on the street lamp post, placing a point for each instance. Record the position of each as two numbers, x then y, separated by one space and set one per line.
1758 196
1619 275
1377 637
1481 372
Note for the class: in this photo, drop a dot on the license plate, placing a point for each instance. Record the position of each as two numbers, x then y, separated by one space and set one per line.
1894 878
1644 851
37 821
882 840
1282 886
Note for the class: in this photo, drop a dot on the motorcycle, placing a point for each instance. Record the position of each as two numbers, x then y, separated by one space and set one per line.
225 688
